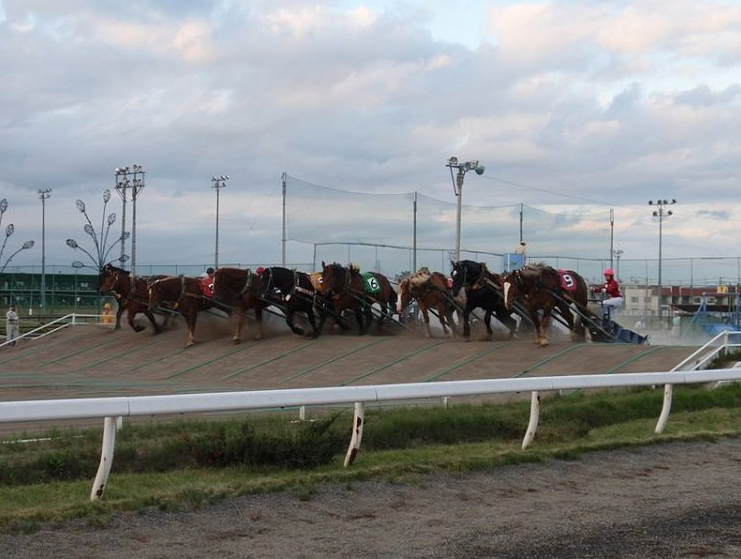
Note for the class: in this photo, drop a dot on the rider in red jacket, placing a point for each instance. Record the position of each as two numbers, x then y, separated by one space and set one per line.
614 298
207 284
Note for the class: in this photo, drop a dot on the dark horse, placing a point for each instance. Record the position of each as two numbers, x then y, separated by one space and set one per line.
348 289
244 290
475 287
132 299
430 290
185 295
541 288
294 292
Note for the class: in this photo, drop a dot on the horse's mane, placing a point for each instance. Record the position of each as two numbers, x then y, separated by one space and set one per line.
112 268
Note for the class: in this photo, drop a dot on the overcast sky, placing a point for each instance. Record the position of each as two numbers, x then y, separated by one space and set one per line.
574 107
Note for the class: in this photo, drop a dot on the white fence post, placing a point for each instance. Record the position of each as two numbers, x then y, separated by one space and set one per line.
106 458
357 433
532 426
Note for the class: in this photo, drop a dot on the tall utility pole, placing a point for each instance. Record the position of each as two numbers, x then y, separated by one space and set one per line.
463 168
617 253
218 184
661 214
44 193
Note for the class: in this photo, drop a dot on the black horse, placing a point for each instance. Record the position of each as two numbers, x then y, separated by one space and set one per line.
475 287
294 292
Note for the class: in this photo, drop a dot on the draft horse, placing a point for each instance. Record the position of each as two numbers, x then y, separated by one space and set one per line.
293 292
132 298
185 295
474 286
430 290
541 289
348 289
244 290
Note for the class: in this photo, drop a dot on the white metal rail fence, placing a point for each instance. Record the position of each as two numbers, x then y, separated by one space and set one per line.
117 407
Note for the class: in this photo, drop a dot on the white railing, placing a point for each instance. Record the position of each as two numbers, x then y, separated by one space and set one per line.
116 407
700 359
53 326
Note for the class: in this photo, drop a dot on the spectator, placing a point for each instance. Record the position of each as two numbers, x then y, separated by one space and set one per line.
520 249
11 325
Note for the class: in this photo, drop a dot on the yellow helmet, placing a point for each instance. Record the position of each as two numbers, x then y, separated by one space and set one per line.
107 306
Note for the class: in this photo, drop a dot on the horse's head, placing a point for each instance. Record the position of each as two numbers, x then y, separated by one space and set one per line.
108 278
156 293
403 297
334 277
464 273
509 288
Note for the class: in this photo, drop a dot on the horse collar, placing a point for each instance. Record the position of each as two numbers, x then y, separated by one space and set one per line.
247 283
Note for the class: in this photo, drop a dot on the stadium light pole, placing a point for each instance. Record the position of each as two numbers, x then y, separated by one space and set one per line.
462 169
662 214
218 184
121 184
44 193
137 183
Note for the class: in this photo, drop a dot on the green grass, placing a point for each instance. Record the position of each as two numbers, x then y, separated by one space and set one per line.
189 464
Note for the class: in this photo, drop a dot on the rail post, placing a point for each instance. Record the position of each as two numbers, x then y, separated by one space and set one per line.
532 426
106 458
357 433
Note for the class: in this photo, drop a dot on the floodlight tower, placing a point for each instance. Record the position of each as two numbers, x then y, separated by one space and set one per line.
457 179
662 214
44 193
218 184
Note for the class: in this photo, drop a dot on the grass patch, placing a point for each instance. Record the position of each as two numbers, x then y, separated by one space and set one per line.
188 465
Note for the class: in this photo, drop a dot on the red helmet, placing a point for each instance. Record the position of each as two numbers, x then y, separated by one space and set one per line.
609 272
260 270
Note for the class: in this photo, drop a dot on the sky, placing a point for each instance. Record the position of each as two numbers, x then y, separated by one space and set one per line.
573 107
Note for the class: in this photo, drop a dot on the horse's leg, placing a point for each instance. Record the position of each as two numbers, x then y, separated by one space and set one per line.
237 338
359 319
130 318
535 317
544 324
338 316
289 320
258 319
190 319
150 315
505 317
119 313
466 324
426 316
487 322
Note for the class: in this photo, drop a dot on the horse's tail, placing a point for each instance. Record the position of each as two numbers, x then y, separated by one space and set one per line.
393 297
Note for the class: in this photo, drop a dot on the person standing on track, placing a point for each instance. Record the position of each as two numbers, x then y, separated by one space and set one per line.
11 324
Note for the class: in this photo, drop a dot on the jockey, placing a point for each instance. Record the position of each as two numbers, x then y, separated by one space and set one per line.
611 289
207 284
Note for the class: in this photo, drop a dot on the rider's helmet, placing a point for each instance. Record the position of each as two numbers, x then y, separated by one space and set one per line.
107 306
210 271
609 272
260 270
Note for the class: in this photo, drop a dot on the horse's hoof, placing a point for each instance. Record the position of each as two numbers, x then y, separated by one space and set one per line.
236 341
543 343
258 336
189 344
139 328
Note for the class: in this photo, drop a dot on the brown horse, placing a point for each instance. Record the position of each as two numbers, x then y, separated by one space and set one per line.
244 290
430 290
541 288
134 299
350 290
185 295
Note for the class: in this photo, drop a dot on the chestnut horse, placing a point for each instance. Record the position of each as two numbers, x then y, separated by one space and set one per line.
430 290
185 295
541 288
348 289
293 292
117 281
244 290
474 286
